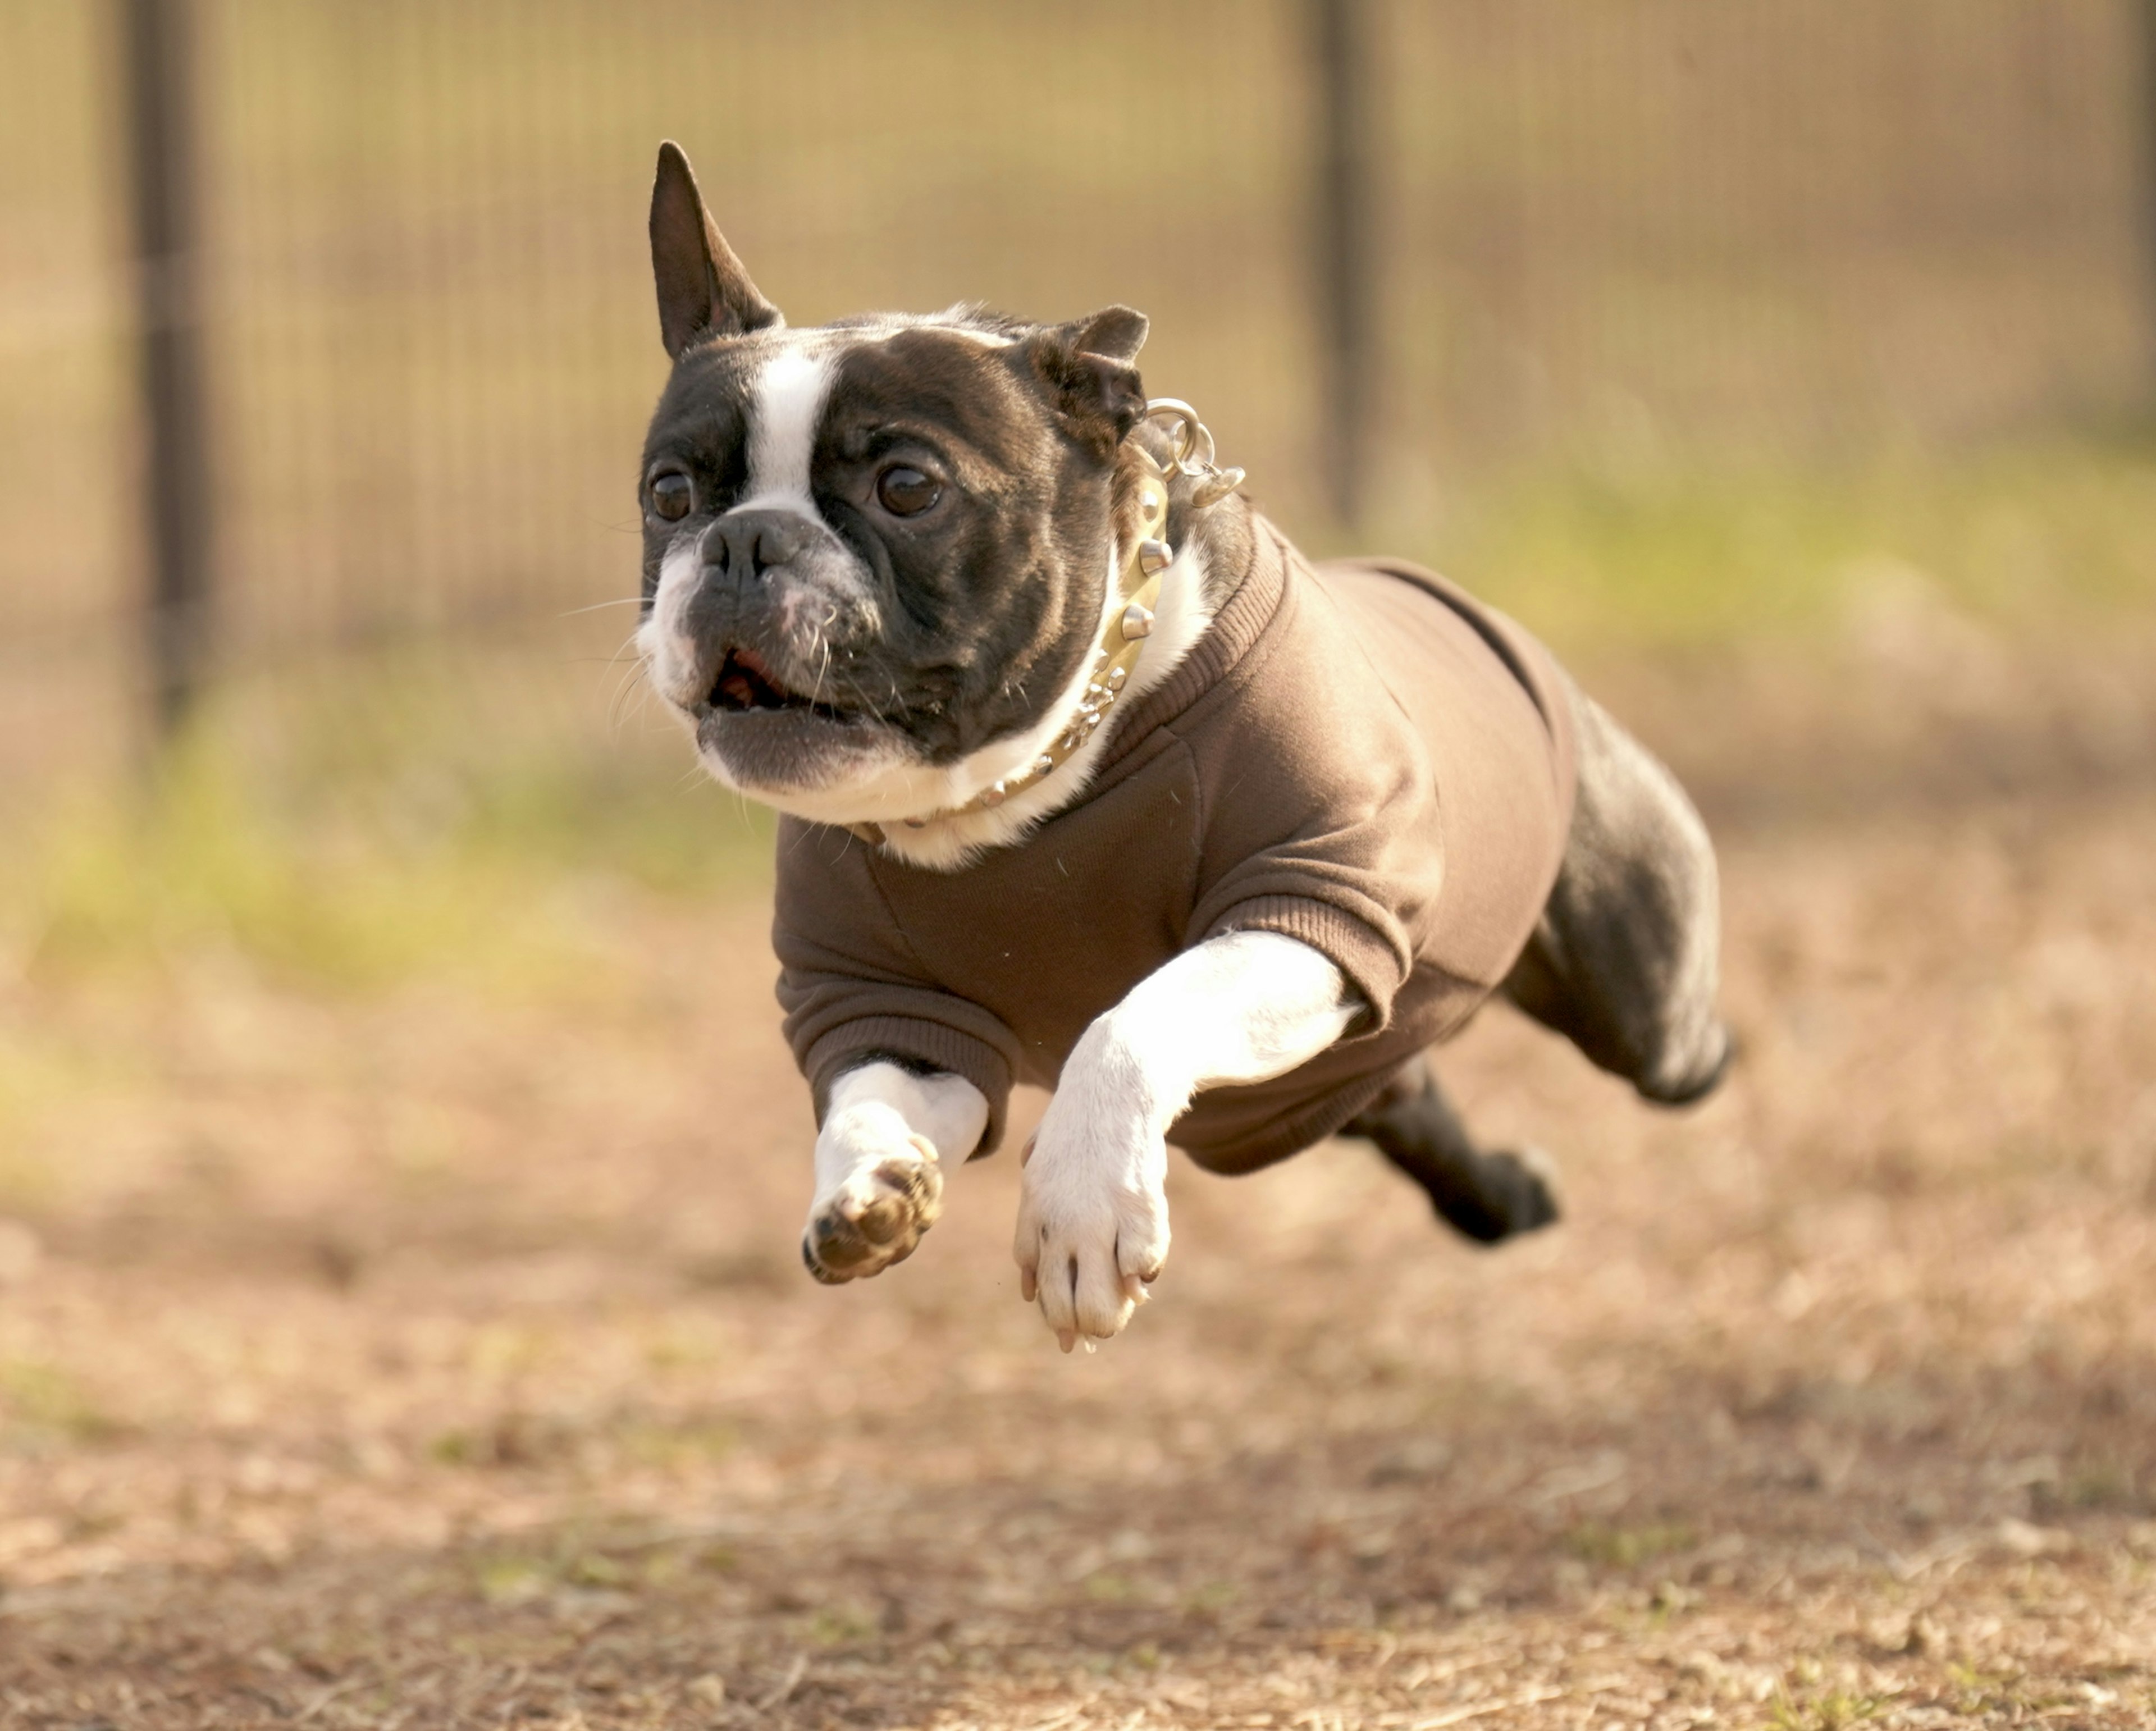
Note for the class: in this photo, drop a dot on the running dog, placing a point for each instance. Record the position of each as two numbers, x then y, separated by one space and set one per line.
1088 779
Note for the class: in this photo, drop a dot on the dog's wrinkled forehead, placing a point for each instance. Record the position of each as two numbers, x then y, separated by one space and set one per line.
763 408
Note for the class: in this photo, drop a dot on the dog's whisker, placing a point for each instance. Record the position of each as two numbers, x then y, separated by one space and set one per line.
630 686
627 679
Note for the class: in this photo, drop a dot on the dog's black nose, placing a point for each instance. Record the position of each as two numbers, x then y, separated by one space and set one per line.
745 544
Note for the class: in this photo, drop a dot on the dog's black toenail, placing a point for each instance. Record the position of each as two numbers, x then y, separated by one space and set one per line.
823 1276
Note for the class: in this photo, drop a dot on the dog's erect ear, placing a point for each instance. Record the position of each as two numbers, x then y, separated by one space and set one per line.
703 290
1086 364
1116 332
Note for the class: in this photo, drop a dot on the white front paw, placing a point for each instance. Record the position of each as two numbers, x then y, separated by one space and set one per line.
875 1217
1092 1215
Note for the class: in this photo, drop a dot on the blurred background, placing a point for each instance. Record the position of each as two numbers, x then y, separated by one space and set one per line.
1654 320
399 1170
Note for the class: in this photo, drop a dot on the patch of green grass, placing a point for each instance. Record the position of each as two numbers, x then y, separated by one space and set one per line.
42 1401
196 865
512 1580
1627 1547
679 1344
36 1074
1835 1711
511 1439
518 1576
418 853
678 1443
836 1625
1108 1587
2101 1483
1691 557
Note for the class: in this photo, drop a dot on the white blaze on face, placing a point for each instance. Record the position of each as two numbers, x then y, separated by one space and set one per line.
786 403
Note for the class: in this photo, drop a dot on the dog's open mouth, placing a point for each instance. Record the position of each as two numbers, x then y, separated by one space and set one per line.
745 685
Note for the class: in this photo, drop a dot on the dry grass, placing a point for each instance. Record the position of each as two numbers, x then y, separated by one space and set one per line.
432 1354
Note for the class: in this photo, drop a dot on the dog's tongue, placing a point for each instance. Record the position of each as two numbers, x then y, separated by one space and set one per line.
747 682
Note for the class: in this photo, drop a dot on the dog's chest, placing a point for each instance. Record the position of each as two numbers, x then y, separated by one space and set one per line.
1048 934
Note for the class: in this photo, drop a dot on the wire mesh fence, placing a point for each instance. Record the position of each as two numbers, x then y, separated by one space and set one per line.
1660 231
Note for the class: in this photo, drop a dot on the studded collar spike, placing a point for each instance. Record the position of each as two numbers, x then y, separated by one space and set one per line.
1115 656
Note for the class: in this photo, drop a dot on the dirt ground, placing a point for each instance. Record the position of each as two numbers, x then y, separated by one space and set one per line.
431 1359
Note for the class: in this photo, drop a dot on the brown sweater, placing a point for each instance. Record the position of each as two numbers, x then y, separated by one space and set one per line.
1359 756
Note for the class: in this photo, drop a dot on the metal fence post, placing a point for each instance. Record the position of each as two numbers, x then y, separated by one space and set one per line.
158 40
2147 93
1342 240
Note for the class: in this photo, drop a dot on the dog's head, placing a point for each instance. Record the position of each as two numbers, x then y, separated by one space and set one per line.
875 550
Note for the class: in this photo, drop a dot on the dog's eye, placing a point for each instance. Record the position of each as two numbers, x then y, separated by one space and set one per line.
906 492
671 495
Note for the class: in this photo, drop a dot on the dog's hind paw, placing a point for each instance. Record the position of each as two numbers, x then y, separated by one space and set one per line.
1499 1196
876 1218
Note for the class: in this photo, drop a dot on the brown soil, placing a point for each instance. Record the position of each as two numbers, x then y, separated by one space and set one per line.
439 1361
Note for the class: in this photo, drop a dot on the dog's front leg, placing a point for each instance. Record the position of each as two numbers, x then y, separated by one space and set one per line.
1092 1218
879 1180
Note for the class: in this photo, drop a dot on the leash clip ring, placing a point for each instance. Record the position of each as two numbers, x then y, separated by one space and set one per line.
1193 453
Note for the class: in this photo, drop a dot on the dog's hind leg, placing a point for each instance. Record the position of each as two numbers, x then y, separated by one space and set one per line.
1625 962
1487 1196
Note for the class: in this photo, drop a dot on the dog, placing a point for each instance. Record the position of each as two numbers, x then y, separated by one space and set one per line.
1086 778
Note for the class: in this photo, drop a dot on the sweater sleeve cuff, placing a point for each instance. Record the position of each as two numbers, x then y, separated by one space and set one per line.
915 1041
1371 964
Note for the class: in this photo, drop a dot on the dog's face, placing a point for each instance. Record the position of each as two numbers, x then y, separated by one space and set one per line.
875 550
